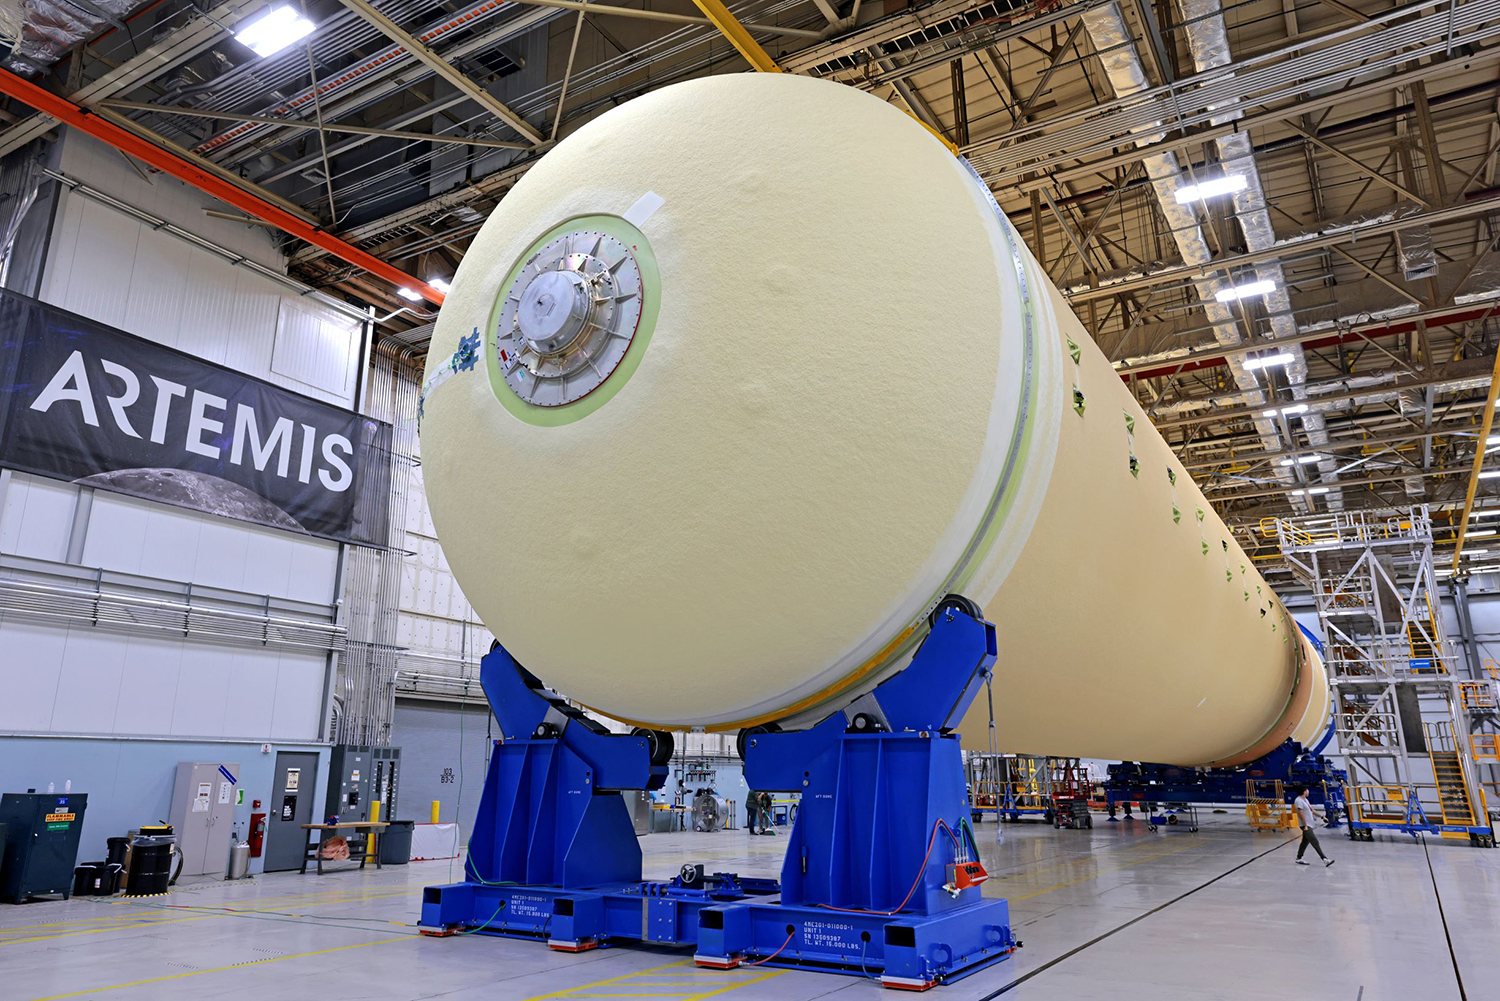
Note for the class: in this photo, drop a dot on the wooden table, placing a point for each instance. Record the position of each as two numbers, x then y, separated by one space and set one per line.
365 831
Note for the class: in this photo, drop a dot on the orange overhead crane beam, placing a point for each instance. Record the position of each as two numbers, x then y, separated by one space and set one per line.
183 169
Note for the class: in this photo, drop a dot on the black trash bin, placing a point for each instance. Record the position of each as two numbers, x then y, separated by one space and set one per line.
150 865
395 842
87 879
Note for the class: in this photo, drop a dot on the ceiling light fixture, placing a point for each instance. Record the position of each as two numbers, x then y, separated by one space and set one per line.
1479 535
1317 490
441 284
1489 474
1295 408
1264 361
1211 188
1245 291
409 295
274 31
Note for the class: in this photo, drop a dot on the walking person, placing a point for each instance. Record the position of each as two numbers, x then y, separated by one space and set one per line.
767 825
752 811
1306 818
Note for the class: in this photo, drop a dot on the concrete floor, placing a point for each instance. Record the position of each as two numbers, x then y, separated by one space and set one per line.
1116 911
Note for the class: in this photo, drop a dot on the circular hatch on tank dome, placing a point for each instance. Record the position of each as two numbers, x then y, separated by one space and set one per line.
573 316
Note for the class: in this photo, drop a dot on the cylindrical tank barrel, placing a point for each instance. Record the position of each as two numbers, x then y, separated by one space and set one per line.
749 372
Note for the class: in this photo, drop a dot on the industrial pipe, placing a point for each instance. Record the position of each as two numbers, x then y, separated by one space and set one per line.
710 428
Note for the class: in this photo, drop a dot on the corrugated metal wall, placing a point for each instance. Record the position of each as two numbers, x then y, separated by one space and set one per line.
444 755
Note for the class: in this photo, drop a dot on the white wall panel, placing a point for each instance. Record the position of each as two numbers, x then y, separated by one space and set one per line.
158 285
30 671
313 569
252 307
170 536
203 686
148 685
295 715
103 167
100 262
223 548
313 350
250 694
435 619
88 689
204 304
137 536
116 537
37 517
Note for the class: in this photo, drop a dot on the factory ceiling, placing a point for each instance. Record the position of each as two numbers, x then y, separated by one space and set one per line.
1358 138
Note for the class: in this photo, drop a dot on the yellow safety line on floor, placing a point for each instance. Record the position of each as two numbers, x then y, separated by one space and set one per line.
219 969
152 915
145 922
619 987
1012 897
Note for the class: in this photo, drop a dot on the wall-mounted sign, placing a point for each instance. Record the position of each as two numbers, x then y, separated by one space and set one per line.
82 401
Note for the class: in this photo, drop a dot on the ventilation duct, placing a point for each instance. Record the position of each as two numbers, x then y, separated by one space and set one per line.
1482 283
1416 406
1415 252
49 30
1115 48
1208 41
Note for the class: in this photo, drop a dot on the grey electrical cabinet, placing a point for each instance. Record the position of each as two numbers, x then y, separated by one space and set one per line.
358 775
203 802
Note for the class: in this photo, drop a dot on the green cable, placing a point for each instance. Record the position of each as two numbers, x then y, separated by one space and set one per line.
481 927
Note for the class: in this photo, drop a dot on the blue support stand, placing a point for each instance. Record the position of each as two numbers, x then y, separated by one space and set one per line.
881 876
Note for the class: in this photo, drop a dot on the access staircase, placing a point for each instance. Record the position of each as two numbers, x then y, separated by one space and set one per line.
1419 636
1448 774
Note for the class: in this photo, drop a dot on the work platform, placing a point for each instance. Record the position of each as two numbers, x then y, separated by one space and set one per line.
1413 717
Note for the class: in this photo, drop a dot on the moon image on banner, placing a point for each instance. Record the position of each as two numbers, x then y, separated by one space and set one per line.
188 488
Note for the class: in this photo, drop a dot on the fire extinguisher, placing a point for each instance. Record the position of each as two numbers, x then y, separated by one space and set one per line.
257 830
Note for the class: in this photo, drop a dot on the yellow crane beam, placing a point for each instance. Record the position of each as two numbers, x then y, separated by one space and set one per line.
758 57
733 30
1480 447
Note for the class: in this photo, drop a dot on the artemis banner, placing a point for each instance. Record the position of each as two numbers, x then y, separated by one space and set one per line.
86 402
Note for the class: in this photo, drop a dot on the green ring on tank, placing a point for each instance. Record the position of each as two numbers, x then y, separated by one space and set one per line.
567 413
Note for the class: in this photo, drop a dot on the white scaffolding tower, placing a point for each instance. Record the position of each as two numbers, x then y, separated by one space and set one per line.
1410 727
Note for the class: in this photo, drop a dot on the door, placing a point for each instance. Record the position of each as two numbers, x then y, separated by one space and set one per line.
444 756
289 806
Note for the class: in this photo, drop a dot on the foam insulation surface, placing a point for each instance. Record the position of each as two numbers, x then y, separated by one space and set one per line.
1131 628
809 441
